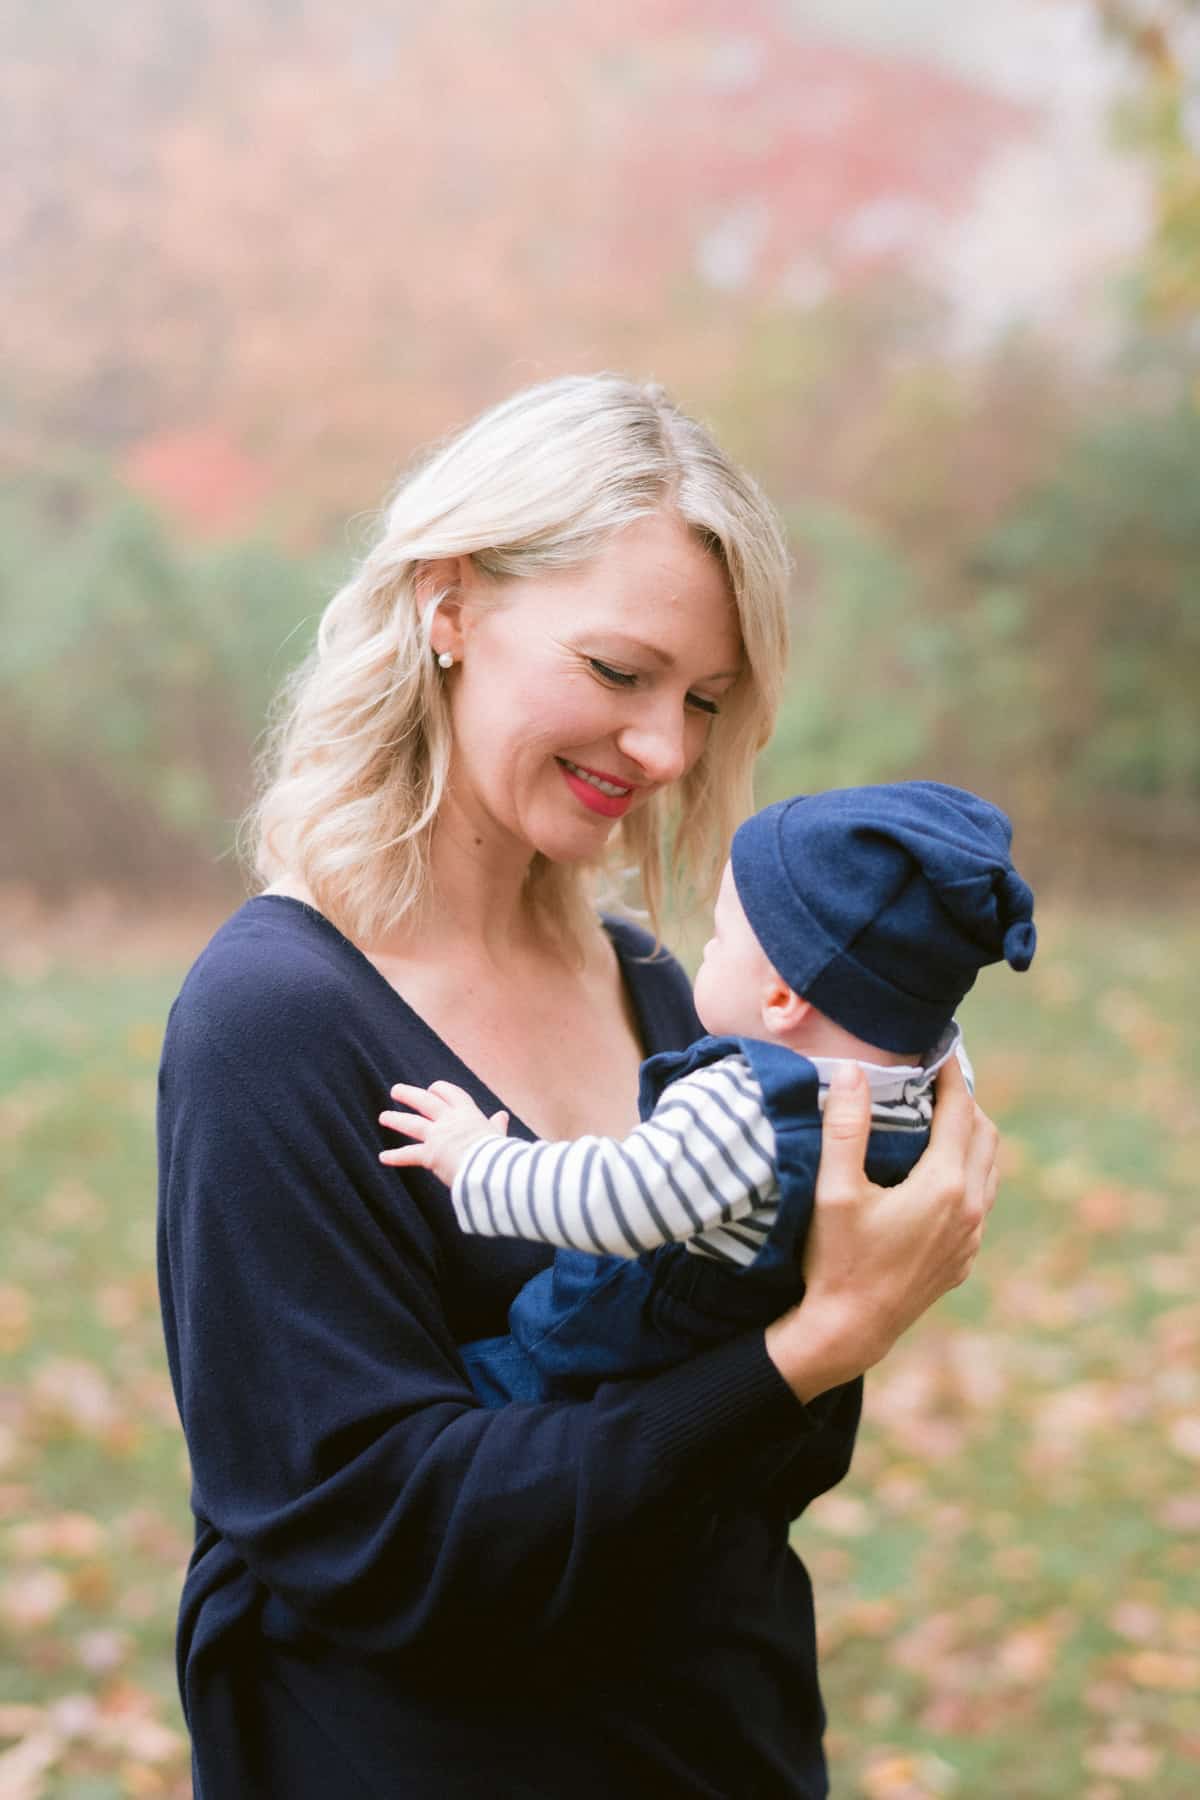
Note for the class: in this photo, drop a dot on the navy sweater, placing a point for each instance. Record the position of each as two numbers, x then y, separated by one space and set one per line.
395 1591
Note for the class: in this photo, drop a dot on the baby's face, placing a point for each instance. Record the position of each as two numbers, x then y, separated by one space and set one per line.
735 976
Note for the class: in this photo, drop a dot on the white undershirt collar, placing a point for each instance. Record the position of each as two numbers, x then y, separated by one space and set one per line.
901 1080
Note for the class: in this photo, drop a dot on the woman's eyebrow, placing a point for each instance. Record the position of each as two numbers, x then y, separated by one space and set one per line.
663 657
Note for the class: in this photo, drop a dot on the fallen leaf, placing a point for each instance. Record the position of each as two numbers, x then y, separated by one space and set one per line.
1165 1670
72 1393
63 1534
103 1650
908 1777
73 1205
22 1767
1184 1436
1128 1760
18 1721
33 1598
74 1715
1026 1657
16 1313
1180 1513
842 1514
1135 1620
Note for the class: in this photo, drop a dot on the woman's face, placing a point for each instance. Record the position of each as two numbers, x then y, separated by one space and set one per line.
579 694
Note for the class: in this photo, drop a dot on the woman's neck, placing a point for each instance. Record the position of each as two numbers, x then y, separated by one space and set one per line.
477 904
478 896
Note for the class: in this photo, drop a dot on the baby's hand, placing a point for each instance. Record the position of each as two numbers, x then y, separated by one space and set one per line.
444 1123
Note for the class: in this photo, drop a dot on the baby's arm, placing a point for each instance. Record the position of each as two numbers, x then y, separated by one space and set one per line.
703 1159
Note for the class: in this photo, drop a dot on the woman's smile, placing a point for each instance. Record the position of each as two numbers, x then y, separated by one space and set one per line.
600 793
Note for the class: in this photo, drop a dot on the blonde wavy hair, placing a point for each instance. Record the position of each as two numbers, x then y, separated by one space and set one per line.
356 762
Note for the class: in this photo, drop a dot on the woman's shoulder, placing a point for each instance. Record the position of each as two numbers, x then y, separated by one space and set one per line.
275 970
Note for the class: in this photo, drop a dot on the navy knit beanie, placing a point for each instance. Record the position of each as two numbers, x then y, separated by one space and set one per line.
882 904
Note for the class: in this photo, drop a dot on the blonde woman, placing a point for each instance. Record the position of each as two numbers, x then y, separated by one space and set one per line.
556 664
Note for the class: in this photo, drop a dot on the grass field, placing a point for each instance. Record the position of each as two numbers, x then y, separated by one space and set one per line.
1009 1581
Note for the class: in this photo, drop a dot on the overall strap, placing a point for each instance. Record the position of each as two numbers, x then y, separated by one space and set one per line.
789 1082
659 1071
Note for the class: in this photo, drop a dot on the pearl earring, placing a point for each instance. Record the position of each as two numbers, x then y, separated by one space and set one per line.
445 660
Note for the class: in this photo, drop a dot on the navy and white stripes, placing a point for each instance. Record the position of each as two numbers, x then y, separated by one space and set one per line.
703 1159
700 1169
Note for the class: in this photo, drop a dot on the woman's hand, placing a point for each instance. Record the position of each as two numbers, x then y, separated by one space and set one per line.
444 1123
877 1258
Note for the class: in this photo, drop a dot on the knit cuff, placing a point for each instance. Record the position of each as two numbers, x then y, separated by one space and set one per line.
711 1412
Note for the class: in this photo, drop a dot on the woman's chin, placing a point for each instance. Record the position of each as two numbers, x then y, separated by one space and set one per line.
576 849
574 837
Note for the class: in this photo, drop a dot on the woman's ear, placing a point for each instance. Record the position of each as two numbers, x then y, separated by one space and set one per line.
441 597
783 1010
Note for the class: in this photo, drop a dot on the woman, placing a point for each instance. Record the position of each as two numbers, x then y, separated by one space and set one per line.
567 642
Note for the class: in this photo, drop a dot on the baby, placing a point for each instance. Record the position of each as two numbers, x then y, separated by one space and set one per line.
849 925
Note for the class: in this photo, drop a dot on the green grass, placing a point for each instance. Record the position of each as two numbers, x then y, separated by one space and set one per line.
93 1485
1009 1581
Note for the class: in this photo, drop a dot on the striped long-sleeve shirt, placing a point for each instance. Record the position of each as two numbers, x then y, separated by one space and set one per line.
700 1169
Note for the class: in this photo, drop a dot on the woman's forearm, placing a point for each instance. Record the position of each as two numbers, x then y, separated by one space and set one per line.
817 1346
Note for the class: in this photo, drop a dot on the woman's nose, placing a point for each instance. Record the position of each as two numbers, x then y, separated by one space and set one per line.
661 745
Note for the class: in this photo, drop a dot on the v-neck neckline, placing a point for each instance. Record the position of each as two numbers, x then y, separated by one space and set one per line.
490 1101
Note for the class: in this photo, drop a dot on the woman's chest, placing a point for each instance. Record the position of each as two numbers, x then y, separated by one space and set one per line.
565 1072
559 1049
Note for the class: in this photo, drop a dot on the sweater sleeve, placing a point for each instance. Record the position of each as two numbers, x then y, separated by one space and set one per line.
335 1441
704 1158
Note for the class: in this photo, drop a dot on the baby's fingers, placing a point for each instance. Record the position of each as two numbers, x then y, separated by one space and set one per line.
413 1125
408 1156
422 1100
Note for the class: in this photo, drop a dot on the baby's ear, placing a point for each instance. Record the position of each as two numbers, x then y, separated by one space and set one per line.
783 1010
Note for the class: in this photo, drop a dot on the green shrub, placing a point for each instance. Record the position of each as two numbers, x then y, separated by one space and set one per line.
136 676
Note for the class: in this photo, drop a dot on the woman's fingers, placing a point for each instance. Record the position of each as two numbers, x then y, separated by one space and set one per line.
993 1185
845 1127
982 1170
953 1116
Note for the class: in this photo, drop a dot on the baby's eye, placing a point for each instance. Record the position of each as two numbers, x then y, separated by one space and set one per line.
617 677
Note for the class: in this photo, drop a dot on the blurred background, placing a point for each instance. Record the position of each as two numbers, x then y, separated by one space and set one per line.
932 270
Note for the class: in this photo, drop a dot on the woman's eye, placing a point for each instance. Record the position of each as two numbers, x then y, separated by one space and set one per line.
626 678
618 677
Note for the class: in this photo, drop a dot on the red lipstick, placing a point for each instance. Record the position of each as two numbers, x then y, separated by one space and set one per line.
608 806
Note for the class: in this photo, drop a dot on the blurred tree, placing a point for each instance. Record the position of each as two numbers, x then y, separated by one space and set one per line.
1163 121
135 679
999 582
323 235
1099 569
